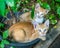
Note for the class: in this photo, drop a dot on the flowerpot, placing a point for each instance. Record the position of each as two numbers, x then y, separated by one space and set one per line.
23 45
16 44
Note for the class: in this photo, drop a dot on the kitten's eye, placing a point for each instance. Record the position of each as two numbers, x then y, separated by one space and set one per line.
46 11
44 30
39 30
41 14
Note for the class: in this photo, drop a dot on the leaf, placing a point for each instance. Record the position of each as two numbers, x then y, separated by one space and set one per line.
6 11
2 45
52 17
38 1
45 5
10 2
16 5
59 16
1 25
3 42
5 34
57 0
27 1
58 10
32 12
52 4
2 7
53 22
14 9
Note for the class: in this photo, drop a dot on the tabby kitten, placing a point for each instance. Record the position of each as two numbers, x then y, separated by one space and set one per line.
39 14
25 32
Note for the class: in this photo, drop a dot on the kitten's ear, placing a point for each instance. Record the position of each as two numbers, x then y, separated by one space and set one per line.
37 6
47 23
35 25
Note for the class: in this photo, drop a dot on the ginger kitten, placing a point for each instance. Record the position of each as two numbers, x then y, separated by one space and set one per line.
25 32
39 14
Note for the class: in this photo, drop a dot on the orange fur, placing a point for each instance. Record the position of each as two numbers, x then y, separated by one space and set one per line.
24 31
27 16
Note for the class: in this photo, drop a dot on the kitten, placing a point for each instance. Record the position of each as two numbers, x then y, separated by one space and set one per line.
24 31
39 14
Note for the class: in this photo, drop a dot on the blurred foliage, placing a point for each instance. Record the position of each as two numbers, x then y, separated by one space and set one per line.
1 25
54 7
57 0
4 41
19 5
52 19
32 12
2 7
44 4
5 34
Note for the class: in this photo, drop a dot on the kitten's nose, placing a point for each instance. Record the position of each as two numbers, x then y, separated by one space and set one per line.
42 32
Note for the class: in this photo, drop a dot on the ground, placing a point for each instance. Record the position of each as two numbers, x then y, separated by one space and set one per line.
51 36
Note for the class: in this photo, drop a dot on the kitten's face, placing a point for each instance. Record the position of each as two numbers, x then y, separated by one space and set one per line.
39 11
43 28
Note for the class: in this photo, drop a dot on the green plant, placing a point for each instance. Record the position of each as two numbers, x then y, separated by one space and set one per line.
16 5
52 18
44 4
12 5
1 25
32 12
6 4
54 7
4 41
5 34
